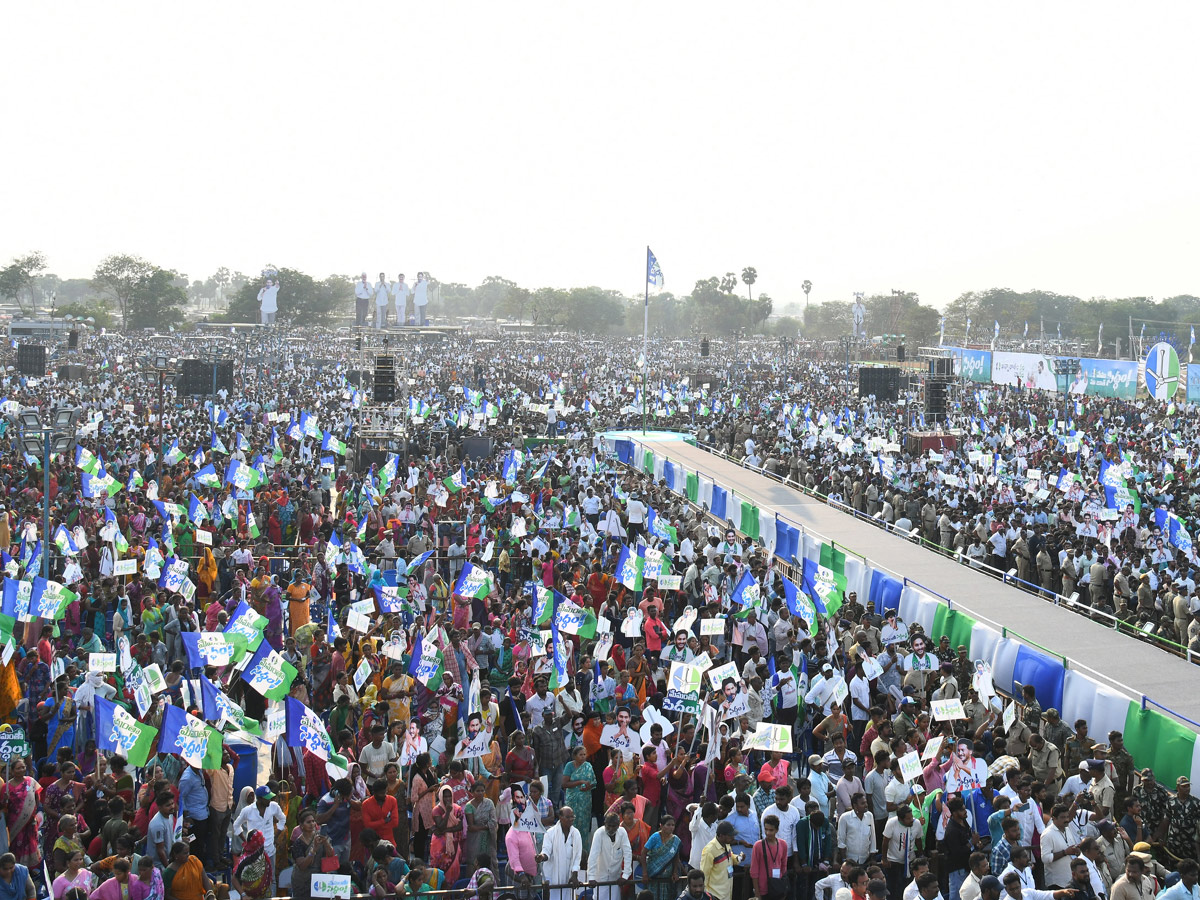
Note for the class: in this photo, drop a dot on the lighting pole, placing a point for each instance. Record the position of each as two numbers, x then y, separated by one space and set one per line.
161 363
44 440
1066 367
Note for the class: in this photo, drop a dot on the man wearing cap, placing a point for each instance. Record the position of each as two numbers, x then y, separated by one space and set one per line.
1179 826
821 782
1185 888
1101 788
1122 762
1044 760
263 815
1056 731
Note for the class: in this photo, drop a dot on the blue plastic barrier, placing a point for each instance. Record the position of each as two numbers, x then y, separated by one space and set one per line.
885 591
1043 672
719 496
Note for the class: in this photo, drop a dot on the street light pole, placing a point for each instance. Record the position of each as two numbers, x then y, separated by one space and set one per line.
46 505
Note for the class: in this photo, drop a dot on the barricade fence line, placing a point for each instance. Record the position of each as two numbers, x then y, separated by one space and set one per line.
1163 643
1132 698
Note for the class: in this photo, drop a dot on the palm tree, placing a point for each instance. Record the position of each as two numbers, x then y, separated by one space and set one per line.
749 276
806 287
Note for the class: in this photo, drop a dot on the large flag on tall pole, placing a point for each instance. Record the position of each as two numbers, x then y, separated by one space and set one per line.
654 276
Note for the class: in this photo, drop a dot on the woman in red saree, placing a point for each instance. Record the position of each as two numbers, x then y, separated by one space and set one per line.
19 800
449 832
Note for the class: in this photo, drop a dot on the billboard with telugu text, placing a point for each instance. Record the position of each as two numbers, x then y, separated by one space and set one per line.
974 365
1107 378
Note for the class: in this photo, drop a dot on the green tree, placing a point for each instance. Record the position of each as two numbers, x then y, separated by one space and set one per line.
94 310
806 287
17 280
119 276
489 294
749 276
594 310
787 326
156 302
548 308
515 304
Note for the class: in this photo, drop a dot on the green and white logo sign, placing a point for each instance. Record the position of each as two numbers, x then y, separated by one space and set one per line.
1162 371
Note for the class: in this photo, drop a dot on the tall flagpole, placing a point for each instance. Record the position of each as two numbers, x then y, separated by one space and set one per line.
645 341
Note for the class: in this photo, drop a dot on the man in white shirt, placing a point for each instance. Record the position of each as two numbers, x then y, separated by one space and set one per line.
382 291
788 817
562 851
635 510
856 831
611 858
1057 848
703 825
363 292
421 297
399 303
539 704
262 815
901 837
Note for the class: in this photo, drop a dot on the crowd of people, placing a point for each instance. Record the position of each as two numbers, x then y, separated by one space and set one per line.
493 673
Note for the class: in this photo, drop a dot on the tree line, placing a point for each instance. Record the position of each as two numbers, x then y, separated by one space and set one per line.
130 292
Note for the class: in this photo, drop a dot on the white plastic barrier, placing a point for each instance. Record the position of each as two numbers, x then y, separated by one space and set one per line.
983 642
1004 660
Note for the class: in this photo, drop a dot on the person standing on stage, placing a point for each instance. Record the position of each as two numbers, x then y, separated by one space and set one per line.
362 299
398 309
421 297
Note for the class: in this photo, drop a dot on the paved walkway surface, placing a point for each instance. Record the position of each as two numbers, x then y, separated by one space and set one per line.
1124 662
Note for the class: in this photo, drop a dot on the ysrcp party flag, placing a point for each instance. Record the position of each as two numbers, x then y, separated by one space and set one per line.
457 481
391 599
559 675
416 564
212 648
305 729
218 707
821 584
241 475
49 599
544 601
248 624
747 592
388 473
630 565
117 731
269 673
208 477
86 460
660 528
576 620
173 455
427 663
330 444
801 604
473 581
186 735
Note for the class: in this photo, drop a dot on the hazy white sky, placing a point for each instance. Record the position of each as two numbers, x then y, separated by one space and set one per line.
934 147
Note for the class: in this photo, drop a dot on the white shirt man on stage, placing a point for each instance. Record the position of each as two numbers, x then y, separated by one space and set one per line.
400 300
421 297
611 858
562 851
383 289
363 292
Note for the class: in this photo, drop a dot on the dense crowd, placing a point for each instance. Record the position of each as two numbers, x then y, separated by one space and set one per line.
256 666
